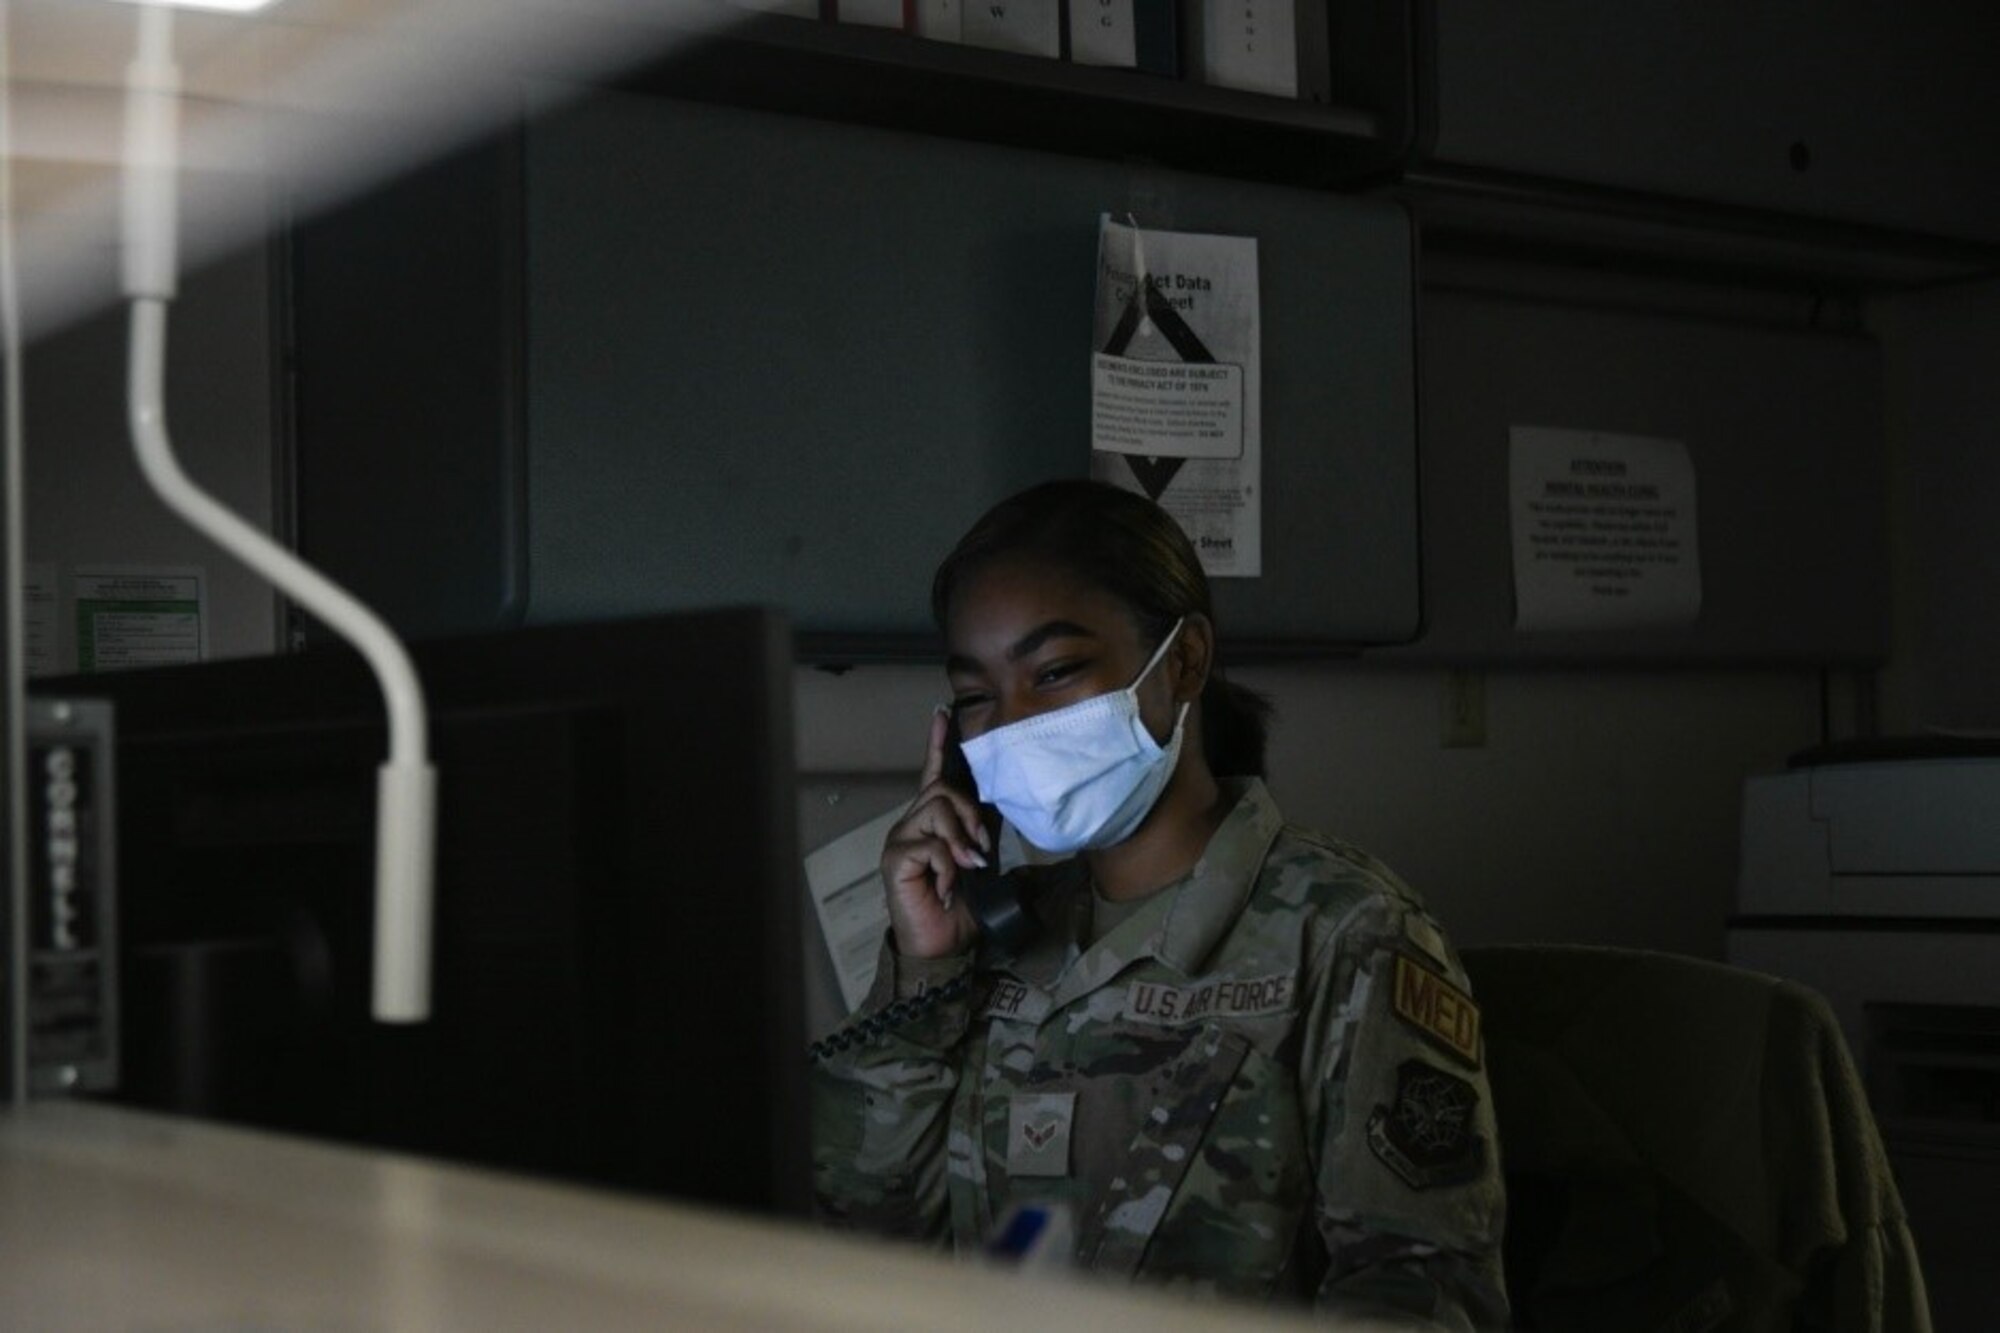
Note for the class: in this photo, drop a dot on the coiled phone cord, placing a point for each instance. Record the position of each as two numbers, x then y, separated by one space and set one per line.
894 1016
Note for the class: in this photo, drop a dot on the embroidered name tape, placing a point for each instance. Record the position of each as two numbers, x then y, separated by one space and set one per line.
1008 998
1438 1009
1151 1002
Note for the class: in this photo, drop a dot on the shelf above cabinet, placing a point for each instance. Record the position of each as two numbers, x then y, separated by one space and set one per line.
1502 214
895 80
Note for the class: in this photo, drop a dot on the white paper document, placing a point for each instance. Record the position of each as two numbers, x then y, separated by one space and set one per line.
845 880
139 616
1176 384
1166 409
1605 532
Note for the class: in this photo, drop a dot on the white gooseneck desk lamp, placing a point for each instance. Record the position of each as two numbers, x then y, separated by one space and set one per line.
406 786
450 67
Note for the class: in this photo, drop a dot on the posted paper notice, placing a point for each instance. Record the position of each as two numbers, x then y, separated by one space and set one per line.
1605 532
1166 409
139 616
1176 383
39 619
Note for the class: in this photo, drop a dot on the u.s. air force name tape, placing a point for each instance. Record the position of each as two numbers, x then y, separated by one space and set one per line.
1248 997
1433 1006
1157 1003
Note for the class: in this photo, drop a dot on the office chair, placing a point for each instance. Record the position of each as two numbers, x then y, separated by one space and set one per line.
1687 1147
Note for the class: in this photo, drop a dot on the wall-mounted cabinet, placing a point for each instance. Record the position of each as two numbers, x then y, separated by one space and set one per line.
1847 112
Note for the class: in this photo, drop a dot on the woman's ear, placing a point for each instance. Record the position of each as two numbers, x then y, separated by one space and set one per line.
1192 657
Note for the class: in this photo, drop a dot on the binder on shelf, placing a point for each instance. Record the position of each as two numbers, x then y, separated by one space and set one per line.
804 9
1128 34
1032 27
1280 47
938 20
1313 31
873 13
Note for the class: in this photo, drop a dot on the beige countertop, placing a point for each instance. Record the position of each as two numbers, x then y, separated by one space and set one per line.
112 1219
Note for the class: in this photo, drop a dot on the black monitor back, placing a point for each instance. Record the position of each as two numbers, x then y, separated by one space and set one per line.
617 984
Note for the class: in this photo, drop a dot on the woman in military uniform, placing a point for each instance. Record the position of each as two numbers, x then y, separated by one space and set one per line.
1232 1053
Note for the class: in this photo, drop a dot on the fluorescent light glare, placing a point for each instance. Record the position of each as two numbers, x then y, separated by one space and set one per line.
230 6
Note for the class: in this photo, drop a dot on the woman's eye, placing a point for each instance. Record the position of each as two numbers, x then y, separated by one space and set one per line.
964 703
1057 673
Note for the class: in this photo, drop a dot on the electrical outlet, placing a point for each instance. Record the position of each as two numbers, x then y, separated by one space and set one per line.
1464 710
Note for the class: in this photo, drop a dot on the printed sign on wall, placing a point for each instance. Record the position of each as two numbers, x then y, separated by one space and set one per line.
1176 380
1604 530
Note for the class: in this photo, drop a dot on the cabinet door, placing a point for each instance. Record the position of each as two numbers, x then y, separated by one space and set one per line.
782 361
1784 429
1843 109
404 330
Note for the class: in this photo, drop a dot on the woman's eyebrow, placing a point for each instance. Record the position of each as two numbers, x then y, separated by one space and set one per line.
961 665
1041 634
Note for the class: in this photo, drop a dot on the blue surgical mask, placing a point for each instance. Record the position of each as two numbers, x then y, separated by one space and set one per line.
1081 777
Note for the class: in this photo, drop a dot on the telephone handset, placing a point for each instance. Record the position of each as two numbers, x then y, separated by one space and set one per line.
996 900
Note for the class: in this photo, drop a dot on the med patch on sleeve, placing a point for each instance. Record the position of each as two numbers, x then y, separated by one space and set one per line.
1445 1015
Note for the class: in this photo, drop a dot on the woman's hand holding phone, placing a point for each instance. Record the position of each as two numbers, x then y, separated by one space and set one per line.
938 838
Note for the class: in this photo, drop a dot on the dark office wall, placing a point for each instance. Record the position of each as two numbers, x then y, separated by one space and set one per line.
1944 425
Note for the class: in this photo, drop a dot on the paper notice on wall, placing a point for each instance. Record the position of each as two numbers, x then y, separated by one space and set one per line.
1176 384
1605 531
139 616
845 881
39 620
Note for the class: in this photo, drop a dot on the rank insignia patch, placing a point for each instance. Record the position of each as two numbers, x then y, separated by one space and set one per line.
1426 1138
1433 1006
1038 1132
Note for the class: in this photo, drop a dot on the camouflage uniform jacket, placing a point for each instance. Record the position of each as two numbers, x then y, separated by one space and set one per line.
1267 1081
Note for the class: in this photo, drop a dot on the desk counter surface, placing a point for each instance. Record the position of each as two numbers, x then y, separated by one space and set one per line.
112 1219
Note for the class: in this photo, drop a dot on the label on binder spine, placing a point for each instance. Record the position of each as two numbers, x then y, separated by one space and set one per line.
1030 27
1250 44
1101 32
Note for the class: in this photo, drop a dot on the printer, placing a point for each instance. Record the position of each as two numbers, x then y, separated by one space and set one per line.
1881 829
1870 871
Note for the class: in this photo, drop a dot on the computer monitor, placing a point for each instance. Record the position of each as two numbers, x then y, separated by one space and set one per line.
617 982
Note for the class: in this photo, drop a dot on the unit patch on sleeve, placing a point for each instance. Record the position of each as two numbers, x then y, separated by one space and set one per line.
1436 1008
1426 1138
